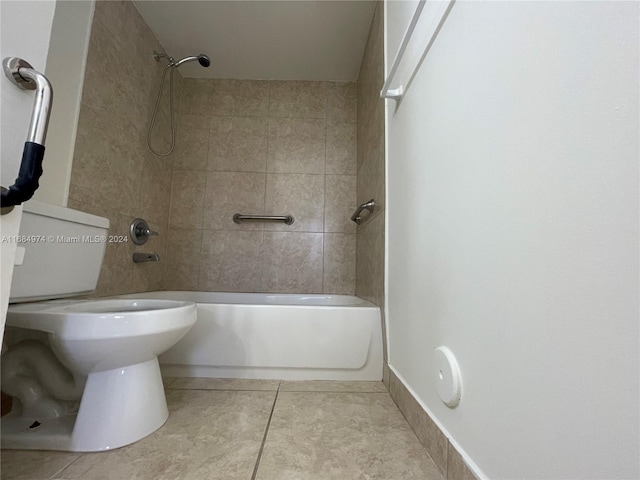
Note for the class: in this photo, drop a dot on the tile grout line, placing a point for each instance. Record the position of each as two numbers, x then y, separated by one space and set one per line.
56 475
264 438
220 389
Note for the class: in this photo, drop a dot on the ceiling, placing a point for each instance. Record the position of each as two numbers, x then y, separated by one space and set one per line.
267 40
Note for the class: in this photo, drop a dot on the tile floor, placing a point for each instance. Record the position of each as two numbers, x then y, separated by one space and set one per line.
254 429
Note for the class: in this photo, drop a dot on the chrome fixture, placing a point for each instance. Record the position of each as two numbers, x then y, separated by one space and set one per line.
145 257
22 74
140 232
288 219
370 206
171 66
202 59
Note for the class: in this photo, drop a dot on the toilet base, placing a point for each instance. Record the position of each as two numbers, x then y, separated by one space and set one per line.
118 407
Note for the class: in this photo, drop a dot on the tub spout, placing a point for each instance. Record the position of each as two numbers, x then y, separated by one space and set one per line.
145 257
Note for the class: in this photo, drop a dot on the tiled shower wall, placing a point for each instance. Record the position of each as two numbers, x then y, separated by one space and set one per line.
114 175
264 147
371 175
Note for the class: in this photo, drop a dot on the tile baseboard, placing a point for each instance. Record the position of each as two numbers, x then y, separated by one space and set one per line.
444 454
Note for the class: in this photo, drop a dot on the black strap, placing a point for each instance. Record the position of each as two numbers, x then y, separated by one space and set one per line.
27 181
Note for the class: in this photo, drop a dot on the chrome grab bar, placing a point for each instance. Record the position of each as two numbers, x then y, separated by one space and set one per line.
239 218
21 74
370 206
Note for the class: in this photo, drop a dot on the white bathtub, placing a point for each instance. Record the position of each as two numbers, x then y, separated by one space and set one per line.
277 336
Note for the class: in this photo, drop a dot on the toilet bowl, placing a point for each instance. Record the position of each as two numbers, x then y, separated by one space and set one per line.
84 374
113 346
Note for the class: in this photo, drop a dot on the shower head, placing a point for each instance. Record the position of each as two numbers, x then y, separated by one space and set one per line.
202 60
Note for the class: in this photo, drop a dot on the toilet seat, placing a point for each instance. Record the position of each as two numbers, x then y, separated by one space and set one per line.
98 318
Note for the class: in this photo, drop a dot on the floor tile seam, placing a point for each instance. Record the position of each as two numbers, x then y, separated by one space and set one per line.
329 391
166 385
266 432
59 472
224 389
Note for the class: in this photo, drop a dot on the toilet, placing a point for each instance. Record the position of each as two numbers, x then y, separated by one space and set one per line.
83 373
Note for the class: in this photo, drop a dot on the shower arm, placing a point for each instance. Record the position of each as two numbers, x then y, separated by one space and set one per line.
22 74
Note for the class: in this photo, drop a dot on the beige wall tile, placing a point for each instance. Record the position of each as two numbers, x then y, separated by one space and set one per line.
161 133
370 106
341 149
197 96
371 183
371 174
297 99
192 142
187 199
183 259
155 189
116 274
249 98
292 151
299 195
296 145
370 260
128 36
228 193
456 468
339 203
177 90
231 261
339 263
341 103
113 173
238 144
100 180
222 127
104 87
292 262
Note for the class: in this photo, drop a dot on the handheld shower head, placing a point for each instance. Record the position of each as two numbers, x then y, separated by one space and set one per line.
202 60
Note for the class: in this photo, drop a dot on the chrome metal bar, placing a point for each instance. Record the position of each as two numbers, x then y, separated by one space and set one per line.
41 107
239 218
22 74
386 91
370 206
145 257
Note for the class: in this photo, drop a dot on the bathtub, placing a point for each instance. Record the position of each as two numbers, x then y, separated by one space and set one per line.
276 336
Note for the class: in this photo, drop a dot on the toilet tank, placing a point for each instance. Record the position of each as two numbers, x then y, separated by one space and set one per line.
63 252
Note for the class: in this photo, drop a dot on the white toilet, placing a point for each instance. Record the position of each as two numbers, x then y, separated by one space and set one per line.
84 374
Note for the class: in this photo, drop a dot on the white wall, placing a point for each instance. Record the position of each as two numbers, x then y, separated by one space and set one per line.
65 70
513 235
25 30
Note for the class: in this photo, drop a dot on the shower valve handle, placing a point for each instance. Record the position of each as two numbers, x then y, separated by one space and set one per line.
140 232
